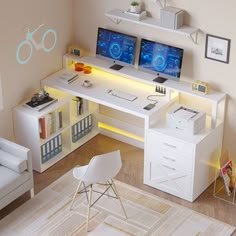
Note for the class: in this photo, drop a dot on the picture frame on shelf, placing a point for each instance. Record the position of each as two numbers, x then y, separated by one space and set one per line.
217 48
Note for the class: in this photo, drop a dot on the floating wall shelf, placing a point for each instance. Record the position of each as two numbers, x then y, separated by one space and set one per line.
118 15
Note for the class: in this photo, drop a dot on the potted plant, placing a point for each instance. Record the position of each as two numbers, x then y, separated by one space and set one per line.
135 6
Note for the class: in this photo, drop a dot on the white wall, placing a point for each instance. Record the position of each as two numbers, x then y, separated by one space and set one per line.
213 16
21 81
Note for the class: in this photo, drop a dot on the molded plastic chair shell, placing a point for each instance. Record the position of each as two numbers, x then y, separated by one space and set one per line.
101 168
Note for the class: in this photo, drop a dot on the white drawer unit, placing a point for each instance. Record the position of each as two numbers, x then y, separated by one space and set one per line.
179 167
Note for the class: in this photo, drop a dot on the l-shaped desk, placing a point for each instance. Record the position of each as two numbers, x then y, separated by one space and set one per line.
172 160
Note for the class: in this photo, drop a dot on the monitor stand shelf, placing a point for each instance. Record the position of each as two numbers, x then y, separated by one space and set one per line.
118 15
135 74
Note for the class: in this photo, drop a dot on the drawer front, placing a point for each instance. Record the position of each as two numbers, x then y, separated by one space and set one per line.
168 179
164 143
170 160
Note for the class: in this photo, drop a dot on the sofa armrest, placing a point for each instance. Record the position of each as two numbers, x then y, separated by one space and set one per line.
18 151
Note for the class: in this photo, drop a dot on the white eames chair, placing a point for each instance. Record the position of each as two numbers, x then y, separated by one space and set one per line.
100 170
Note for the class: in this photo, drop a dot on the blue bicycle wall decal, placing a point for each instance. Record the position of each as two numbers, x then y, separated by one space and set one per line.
31 43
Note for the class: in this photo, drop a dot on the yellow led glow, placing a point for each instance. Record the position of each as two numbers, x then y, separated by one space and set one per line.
120 131
136 85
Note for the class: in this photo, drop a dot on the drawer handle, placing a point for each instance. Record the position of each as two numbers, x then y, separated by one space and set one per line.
169 159
168 167
169 145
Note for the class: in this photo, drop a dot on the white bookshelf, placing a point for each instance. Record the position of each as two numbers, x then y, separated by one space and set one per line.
52 148
117 15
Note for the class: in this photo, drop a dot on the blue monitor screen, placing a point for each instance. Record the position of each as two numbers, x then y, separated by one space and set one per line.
116 46
160 58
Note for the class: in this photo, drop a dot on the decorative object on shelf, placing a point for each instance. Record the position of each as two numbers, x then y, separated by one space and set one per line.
199 86
217 48
135 6
171 17
40 100
75 50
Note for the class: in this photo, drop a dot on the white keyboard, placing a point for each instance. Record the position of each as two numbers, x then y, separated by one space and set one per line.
123 95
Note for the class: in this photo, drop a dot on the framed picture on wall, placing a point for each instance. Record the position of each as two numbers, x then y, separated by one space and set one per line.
217 48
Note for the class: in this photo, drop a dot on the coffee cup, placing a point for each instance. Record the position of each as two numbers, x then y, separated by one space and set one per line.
87 83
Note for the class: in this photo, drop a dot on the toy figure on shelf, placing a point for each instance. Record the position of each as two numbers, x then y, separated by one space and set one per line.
39 97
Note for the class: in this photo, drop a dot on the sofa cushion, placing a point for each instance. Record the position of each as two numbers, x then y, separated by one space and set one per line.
10 180
15 163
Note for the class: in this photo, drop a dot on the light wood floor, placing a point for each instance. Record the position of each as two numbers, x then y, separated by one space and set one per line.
131 173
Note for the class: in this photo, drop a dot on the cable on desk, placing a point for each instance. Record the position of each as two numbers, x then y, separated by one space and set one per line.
149 98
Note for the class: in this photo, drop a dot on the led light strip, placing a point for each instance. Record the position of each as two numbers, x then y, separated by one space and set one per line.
120 131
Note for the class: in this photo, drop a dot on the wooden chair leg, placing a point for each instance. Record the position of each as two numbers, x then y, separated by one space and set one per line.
89 204
116 192
77 190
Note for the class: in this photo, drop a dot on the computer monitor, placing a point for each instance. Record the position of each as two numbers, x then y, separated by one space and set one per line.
116 47
163 60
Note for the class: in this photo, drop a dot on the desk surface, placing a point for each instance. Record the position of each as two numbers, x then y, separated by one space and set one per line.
102 83
141 76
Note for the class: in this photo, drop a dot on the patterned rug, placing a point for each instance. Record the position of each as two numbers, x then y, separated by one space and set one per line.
48 214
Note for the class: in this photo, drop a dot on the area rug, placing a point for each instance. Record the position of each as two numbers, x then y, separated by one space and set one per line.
48 214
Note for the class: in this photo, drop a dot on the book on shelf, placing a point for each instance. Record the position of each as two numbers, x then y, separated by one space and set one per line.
228 176
40 105
80 105
50 123
67 77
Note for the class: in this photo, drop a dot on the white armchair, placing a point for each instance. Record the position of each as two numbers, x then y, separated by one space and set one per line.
16 175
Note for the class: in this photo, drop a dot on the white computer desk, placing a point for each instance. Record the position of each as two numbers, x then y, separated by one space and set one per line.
171 159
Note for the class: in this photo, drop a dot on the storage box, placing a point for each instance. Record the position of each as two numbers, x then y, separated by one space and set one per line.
171 17
186 119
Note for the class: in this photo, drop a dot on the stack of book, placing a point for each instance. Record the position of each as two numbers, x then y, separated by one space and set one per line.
51 148
81 128
171 17
50 123
67 77
136 16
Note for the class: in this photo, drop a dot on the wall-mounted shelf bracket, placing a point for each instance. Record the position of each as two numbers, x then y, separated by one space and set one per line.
115 20
162 3
193 37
